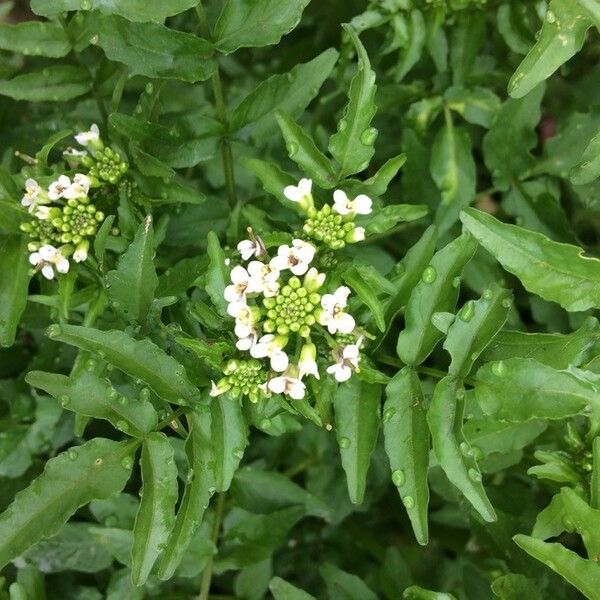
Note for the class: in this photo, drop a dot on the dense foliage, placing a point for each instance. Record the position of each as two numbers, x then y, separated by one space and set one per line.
297 299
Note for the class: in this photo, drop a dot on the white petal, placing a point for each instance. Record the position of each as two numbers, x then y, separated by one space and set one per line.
232 294
277 385
239 275
235 308
362 204
48 271
47 252
343 373
35 258
293 193
279 362
344 322
245 344
350 352
258 350
62 265
300 268
359 234
305 186
341 296
243 330
296 389
328 302
280 263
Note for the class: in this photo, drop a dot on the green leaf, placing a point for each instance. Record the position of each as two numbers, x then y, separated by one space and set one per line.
585 520
229 434
42 155
437 291
588 168
477 324
556 350
14 283
356 406
507 145
579 572
561 37
303 151
97 469
415 592
377 185
417 36
556 272
200 483
88 395
453 170
407 445
498 436
149 165
132 284
477 105
515 587
454 453
520 389
345 586
140 359
282 590
352 145
290 93
181 276
384 219
357 277
132 10
255 23
217 276
155 51
35 38
156 515
57 84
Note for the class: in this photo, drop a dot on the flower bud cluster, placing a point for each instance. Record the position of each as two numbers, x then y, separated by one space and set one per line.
285 315
63 217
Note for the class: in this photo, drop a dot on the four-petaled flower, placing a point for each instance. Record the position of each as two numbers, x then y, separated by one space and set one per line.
271 346
240 282
33 195
264 278
347 362
300 192
79 188
48 259
333 315
89 138
250 248
58 188
288 384
342 205
295 258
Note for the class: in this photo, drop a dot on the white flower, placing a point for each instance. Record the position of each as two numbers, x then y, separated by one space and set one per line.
42 212
240 280
47 259
333 315
297 193
263 278
33 195
347 362
344 206
250 248
313 280
79 188
287 384
356 235
81 252
58 188
216 389
307 364
89 138
296 258
245 317
272 346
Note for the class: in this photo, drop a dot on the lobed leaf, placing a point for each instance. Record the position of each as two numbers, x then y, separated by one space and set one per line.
437 291
453 451
588 169
99 468
555 271
407 445
140 359
87 394
356 406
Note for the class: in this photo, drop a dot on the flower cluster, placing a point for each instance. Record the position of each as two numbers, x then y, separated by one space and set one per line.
63 218
285 317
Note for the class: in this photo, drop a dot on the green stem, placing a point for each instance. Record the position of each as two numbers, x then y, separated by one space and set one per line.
208 570
217 89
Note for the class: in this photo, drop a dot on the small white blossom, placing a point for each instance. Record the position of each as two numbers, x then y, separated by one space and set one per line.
58 188
289 385
79 188
42 212
216 389
356 235
271 346
342 205
250 248
313 280
296 193
48 259
89 138
263 278
81 252
307 365
333 315
245 317
33 195
297 258
347 362
240 280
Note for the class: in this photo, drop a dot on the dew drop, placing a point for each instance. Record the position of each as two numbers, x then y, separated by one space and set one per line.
292 148
94 40
64 400
53 331
456 282
265 423
487 294
90 364
429 275
368 136
474 475
342 124
408 502
388 414
499 369
86 4
149 88
190 476
476 452
465 449
507 302
98 462
550 17
123 426
467 311
72 454
127 462
344 442
398 478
